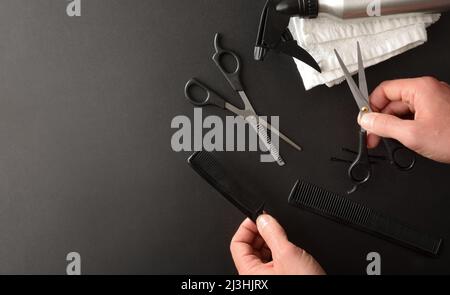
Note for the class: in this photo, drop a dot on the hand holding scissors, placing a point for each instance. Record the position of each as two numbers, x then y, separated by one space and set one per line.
361 171
247 113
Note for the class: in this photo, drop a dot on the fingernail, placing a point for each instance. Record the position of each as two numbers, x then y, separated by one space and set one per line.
262 221
366 120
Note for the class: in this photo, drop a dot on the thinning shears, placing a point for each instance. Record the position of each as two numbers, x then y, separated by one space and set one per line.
248 112
398 155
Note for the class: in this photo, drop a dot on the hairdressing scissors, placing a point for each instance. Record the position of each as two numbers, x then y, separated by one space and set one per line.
398 155
247 113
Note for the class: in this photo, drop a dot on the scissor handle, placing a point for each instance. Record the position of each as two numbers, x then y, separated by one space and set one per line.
233 77
395 151
360 171
210 97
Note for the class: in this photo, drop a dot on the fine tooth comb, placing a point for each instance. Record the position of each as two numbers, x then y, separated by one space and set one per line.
207 166
345 211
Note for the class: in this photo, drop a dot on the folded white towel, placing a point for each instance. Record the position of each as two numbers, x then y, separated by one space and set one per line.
380 37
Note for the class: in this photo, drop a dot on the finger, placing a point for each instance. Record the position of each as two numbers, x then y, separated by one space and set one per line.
388 126
242 251
272 232
373 140
258 243
398 108
397 90
246 233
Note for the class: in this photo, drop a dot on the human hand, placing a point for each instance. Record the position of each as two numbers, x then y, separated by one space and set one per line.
427 100
264 249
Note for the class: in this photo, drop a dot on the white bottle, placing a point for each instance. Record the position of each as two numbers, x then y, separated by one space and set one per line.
346 9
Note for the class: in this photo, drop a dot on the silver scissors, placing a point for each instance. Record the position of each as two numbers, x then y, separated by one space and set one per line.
398 155
248 113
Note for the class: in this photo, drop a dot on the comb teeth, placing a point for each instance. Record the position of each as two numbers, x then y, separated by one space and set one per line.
327 203
274 152
207 166
343 210
204 160
202 157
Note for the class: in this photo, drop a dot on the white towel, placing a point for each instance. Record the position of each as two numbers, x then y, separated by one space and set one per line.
380 37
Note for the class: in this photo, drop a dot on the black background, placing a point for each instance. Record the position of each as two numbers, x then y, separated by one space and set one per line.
86 163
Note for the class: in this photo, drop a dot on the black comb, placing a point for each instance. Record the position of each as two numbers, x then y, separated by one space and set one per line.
345 211
207 166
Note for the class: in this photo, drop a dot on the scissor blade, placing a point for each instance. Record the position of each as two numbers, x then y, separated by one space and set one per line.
247 104
357 95
362 76
279 134
262 134
234 110
249 108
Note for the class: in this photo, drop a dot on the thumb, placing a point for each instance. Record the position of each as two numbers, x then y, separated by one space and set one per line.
387 126
272 232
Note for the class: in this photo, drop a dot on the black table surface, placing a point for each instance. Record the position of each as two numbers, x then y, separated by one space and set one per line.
86 163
